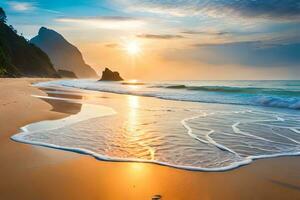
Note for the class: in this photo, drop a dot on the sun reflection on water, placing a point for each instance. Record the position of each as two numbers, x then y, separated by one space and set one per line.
133 101
133 115
136 133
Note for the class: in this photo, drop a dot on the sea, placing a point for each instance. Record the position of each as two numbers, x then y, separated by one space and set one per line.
191 125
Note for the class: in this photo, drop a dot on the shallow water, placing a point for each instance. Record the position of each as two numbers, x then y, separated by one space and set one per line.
187 135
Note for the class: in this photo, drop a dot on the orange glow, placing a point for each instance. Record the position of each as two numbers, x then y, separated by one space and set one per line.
149 64
133 48
133 81
133 118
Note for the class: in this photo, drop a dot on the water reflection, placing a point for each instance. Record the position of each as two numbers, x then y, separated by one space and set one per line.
136 133
62 106
133 101
133 115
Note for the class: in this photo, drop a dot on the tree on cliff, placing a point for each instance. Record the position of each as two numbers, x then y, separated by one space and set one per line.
18 57
3 17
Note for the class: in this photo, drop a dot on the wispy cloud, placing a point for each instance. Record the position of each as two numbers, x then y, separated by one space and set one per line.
22 6
105 22
28 6
111 45
244 53
193 32
160 36
268 9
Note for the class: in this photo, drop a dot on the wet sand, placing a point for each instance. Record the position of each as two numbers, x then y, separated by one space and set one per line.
33 172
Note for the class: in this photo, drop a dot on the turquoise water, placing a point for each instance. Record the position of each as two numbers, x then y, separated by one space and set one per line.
280 94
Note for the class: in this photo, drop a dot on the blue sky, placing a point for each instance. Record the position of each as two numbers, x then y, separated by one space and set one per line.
242 39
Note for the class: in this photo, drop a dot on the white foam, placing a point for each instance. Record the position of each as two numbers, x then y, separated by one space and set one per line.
219 149
257 99
88 111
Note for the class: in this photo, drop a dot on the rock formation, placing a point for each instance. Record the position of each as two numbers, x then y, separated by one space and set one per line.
66 73
18 57
108 75
63 54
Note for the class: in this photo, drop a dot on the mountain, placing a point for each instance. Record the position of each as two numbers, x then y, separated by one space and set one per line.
63 54
108 75
18 57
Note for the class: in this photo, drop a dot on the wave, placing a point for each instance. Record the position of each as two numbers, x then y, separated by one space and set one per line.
291 103
228 89
255 96
20 137
218 150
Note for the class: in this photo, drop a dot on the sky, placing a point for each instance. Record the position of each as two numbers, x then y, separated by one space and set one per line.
176 39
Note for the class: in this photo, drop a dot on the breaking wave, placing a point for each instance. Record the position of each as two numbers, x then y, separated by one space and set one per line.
244 90
286 95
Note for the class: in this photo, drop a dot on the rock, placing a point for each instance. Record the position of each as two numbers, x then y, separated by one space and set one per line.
20 58
156 197
63 54
66 73
108 75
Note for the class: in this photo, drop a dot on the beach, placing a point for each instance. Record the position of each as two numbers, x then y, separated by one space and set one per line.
35 172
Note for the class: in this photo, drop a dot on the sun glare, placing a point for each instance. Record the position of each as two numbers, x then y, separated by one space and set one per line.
133 48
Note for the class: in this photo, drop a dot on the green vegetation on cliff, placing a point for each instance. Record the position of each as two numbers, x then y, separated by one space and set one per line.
18 57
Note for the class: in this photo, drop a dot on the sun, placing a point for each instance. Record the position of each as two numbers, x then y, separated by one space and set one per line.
133 48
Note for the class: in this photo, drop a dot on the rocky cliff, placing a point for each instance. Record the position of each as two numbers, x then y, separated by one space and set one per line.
18 57
63 54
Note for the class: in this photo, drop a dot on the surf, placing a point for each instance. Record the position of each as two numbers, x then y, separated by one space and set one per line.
286 94
185 135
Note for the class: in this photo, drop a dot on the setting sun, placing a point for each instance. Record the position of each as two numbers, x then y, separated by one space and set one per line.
133 48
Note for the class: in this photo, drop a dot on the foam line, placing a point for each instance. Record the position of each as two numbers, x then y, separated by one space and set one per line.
20 138
90 111
87 112
190 131
237 130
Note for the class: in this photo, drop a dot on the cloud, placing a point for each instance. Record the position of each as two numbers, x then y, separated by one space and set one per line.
163 36
247 53
268 9
21 6
193 32
111 45
105 22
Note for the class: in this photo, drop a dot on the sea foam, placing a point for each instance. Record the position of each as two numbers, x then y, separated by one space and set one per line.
252 93
193 136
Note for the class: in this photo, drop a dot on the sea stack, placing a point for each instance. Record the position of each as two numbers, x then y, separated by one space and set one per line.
108 75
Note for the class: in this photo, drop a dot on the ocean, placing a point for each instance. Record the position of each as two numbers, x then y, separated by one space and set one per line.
194 125
282 94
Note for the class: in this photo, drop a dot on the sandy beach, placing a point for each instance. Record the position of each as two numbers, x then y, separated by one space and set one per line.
34 172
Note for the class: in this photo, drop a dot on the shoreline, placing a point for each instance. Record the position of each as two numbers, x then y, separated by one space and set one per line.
71 94
44 173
